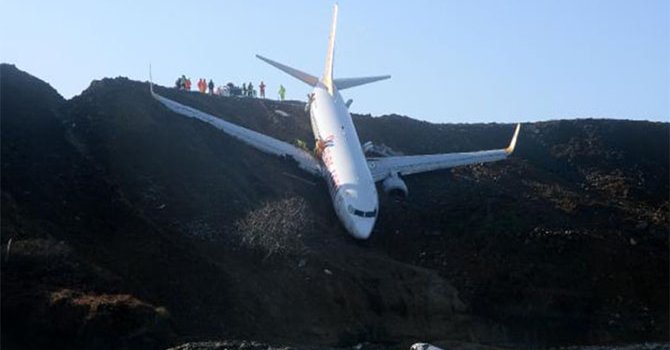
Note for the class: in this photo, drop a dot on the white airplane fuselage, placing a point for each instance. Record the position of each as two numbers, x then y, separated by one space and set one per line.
345 169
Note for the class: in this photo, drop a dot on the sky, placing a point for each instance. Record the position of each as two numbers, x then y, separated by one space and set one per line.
450 61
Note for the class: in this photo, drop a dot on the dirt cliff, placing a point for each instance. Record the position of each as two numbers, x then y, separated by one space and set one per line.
134 227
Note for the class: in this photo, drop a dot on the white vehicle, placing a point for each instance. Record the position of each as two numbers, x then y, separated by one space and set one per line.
424 346
338 155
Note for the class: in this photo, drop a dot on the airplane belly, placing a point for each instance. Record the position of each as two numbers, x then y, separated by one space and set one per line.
350 183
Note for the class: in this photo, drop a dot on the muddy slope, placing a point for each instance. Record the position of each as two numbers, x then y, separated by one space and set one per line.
135 227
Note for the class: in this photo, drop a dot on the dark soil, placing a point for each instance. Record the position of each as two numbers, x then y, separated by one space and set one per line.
133 227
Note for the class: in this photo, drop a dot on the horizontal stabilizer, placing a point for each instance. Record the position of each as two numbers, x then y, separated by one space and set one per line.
300 75
345 83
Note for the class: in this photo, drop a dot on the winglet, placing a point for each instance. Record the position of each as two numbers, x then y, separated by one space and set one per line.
151 81
512 143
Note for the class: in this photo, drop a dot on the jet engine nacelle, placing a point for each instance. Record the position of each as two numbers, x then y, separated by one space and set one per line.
395 186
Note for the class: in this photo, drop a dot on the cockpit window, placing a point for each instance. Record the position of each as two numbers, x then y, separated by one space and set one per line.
361 213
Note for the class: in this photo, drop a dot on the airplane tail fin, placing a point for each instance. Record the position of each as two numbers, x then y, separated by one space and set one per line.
345 83
330 83
300 75
328 71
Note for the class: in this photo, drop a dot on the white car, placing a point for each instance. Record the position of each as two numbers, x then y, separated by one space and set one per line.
424 346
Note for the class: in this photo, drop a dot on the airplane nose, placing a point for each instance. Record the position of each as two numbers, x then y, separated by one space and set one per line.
363 228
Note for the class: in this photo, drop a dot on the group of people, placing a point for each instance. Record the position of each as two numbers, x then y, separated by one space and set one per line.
247 90
232 90
183 83
202 86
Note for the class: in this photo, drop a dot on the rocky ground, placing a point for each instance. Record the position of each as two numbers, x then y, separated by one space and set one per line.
246 345
127 226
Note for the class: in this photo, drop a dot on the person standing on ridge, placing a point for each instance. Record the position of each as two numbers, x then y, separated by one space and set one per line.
211 86
282 92
244 89
187 84
250 90
232 89
262 89
308 105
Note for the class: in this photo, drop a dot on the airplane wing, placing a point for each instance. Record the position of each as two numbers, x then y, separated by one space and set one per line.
262 142
382 168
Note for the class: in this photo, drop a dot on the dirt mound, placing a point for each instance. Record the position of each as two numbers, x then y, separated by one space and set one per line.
115 204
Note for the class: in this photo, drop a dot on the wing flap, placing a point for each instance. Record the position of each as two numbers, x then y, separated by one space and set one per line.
262 142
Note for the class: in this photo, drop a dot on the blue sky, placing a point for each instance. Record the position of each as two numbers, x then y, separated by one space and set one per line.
450 61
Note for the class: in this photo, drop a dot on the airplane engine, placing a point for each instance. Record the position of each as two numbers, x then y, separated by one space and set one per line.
395 186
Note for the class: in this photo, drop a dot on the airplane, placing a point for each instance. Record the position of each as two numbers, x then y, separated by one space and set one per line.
338 155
